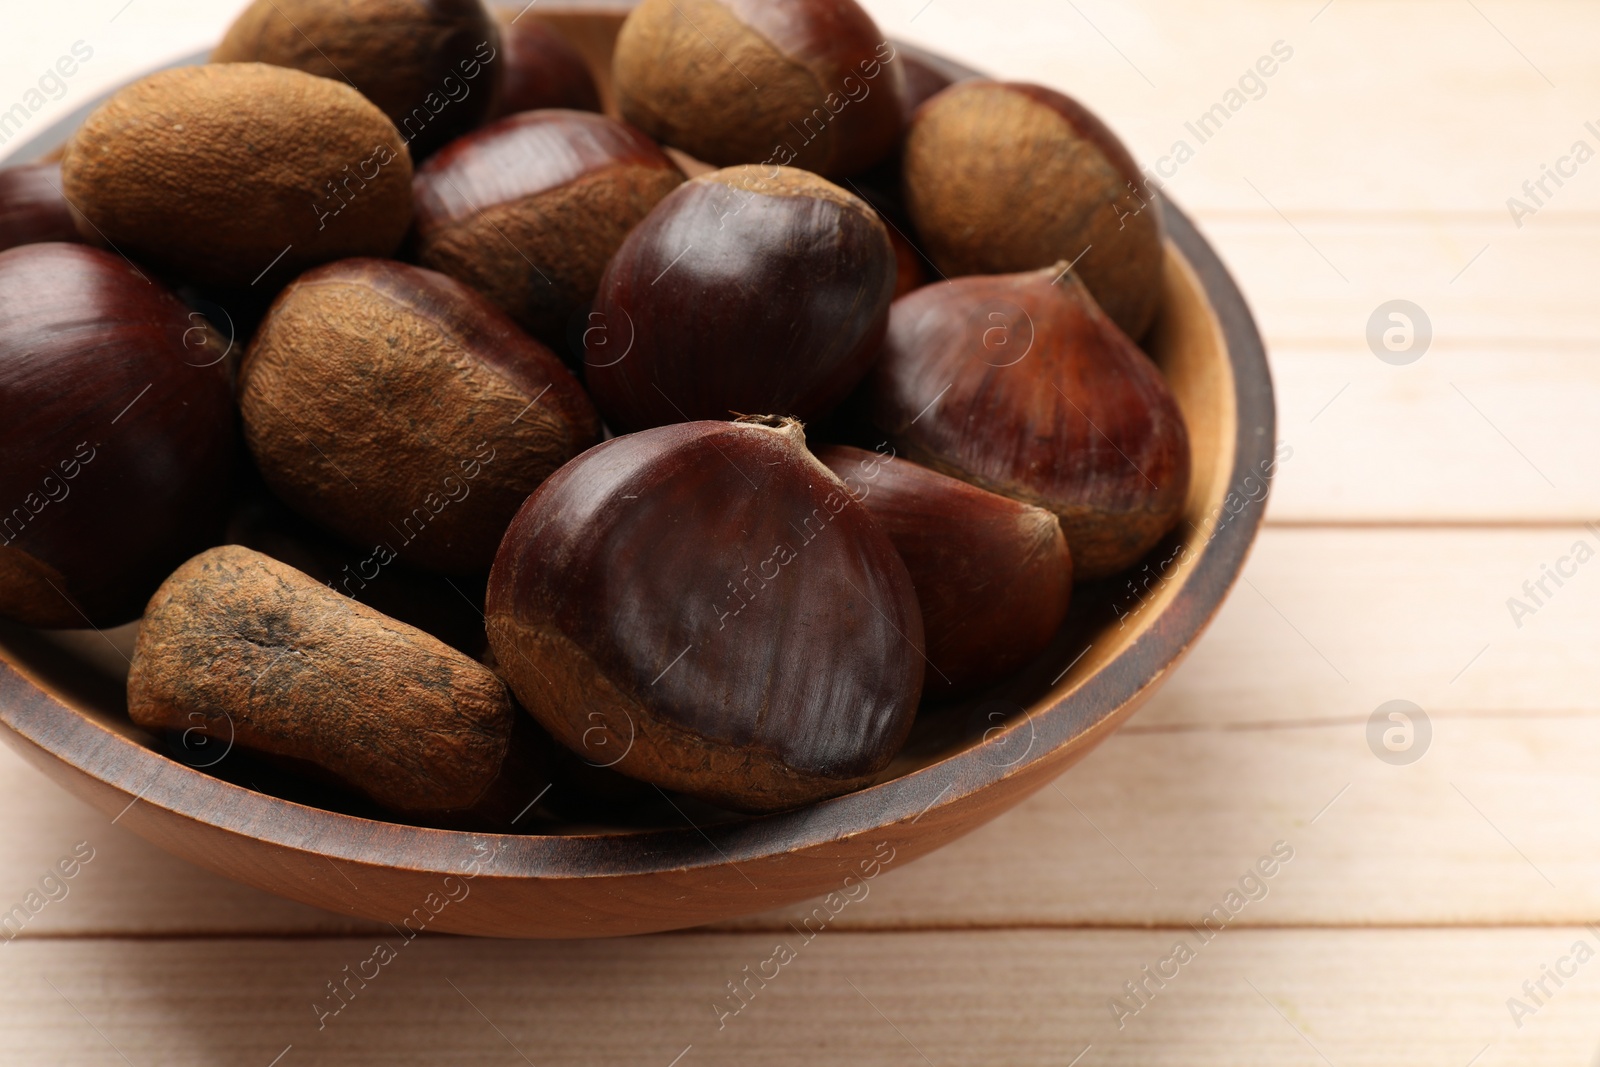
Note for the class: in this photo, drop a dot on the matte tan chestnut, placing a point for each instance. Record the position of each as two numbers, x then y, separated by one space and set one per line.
252 652
1002 177
402 411
804 83
529 210
239 174
432 66
1021 385
993 575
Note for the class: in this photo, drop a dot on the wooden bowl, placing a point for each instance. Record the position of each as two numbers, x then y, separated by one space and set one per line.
61 702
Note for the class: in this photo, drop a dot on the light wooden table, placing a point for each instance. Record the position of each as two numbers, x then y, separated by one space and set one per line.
1376 166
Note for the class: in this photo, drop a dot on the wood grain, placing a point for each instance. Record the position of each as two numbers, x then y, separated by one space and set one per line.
1380 998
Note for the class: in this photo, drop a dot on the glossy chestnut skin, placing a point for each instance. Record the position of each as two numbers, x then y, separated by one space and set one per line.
749 290
32 209
541 68
993 575
432 66
1003 177
529 210
118 433
1021 385
815 84
400 409
702 606
923 80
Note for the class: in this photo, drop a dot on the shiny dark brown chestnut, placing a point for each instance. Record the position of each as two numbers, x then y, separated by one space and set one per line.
118 433
993 575
541 68
529 210
32 209
432 66
1003 177
805 83
704 607
749 290
1021 384
401 410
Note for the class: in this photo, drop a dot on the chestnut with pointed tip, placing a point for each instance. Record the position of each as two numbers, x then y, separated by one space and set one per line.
1021 385
750 289
530 209
1003 177
706 603
542 69
401 410
993 575
432 66
32 209
118 433
806 83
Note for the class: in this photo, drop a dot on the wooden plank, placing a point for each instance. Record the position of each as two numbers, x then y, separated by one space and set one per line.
1425 106
1261 728
1353 998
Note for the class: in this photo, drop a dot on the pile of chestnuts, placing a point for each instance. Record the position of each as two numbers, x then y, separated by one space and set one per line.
451 436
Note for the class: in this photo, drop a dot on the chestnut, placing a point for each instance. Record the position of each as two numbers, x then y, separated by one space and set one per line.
117 429
1003 177
401 410
805 83
993 575
747 290
708 600
540 68
32 209
432 66
232 174
1021 384
529 210
250 651
922 81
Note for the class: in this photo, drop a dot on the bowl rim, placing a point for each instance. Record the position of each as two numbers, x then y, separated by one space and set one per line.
37 718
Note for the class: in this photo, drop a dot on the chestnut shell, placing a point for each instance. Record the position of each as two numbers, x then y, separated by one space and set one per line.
32 209
749 290
540 68
808 83
993 575
432 66
530 209
400 409
1006 176
703 606
118 432
1021 385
